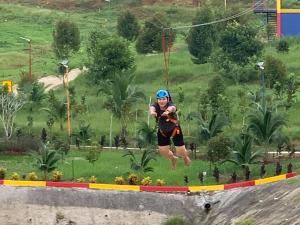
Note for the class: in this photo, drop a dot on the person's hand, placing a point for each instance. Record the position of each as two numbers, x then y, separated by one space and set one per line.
153 113
165 113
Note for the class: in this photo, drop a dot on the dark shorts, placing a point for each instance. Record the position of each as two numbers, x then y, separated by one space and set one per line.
166 140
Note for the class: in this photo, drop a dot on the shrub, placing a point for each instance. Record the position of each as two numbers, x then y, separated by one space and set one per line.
175 221
128 26
146 181
81 180
93 179
57 175
32 176
119 180
160 182
133 179
218 148
275 70
20 144
61 146
2 173
283 46
15 176
149 39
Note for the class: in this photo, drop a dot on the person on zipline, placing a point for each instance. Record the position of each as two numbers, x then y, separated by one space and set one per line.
164 112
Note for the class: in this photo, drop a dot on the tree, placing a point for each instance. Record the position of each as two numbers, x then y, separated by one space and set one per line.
216 88
239 43
127 26
56 109
264 125
46 160
122 95
213 127
110 55
150 37
66 39
9 106
201 39
142 164
242 151
275 71
146 134
218 148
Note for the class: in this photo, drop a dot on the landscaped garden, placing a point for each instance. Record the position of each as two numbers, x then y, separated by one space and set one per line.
233 113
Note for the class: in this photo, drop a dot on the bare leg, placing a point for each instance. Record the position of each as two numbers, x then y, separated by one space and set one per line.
167 153
182 152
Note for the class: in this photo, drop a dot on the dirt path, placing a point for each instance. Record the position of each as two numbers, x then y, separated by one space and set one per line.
52 82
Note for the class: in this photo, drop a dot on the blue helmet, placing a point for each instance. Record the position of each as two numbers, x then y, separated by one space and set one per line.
162 94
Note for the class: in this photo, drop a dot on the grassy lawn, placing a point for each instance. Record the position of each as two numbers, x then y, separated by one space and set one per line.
111 164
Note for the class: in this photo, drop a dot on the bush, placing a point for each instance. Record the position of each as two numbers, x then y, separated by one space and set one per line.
218 148
149 39
283 46
175 221
20 144
32 176
2 173
119 180
93 179
275 70
128 26
146 181
160 182
57 175
81 180
133 179
15 176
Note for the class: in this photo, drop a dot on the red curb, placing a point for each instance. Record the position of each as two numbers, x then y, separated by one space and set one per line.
163 189
239 184
1 182
288 175
66 184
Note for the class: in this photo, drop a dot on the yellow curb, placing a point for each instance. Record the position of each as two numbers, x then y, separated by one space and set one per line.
115 187
206 188
270 179
24 183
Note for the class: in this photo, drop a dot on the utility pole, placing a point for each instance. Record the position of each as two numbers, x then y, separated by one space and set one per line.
30 57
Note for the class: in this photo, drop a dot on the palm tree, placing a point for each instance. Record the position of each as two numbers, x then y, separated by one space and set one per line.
264 125
142 164
146 134
46 160
242 152
209 129
56 109
122 95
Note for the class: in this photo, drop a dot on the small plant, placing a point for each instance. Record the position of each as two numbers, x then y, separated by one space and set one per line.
93 179
119 180
56 175
175 221
133 179
92 156
283 46
32 176
146 181
81 180
160 182
15 176
2 173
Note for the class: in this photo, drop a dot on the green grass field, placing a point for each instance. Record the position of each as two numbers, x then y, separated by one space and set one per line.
37 23
112 164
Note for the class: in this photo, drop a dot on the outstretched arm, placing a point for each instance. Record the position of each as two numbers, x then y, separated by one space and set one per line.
152 111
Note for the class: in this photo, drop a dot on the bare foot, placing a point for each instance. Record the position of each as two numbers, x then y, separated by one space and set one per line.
187 161
174 161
